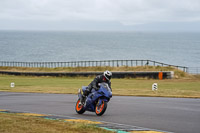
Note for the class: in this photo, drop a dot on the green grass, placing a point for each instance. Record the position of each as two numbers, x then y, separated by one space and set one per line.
13 123
185 87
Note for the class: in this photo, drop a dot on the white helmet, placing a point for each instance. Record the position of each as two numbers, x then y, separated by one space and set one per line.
107 74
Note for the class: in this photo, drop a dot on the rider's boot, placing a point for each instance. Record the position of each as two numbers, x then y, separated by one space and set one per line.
83 98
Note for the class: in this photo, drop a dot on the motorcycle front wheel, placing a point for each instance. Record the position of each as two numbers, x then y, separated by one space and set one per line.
100 109
79 107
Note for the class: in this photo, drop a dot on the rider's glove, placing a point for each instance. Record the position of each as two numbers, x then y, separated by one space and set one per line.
96 88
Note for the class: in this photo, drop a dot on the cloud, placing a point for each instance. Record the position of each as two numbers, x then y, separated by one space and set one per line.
126 12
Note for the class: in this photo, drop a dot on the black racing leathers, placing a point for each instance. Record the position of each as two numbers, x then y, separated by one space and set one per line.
94 84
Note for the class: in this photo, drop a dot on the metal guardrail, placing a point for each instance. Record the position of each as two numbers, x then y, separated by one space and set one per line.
111 63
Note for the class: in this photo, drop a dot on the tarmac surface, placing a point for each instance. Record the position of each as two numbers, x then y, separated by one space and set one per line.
180 115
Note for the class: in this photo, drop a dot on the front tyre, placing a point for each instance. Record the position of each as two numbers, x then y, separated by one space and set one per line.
79 107
100 109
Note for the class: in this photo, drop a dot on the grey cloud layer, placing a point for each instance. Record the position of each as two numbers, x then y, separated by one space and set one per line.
127 12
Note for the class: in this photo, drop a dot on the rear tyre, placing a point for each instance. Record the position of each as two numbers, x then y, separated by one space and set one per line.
79 107
99 110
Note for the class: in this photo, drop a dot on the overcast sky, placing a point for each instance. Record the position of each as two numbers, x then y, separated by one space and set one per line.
136 15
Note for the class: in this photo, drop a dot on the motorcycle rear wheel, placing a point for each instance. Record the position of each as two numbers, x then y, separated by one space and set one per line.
99 110
79 107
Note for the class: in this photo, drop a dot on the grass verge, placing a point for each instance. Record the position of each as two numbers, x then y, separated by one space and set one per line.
177 73
186 87
12 123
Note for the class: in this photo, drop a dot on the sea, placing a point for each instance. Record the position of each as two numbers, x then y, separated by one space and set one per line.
175 48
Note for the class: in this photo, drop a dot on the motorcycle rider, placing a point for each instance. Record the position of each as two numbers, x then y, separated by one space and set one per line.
105 77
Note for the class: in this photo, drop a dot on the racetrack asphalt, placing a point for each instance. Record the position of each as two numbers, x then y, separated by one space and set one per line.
180 115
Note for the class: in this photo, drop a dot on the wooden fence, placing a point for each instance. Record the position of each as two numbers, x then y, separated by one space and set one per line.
193 70
111 63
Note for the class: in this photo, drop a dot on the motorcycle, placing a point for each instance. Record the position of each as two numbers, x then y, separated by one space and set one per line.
96 101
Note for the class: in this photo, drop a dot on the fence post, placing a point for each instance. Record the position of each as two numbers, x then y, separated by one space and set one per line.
187 69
